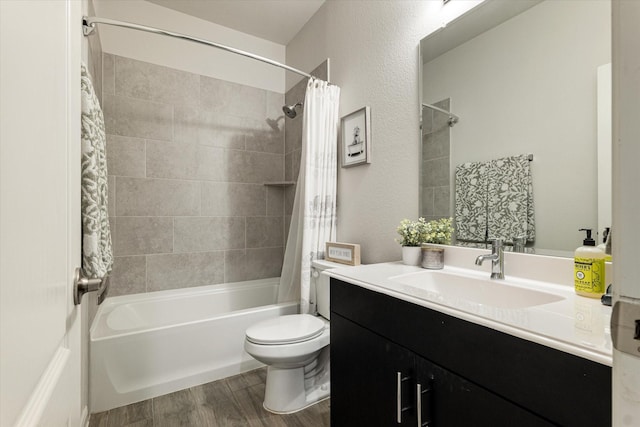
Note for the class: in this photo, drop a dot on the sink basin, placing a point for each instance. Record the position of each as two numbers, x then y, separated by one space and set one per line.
461 287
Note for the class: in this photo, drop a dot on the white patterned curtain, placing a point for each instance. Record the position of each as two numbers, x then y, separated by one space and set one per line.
313 220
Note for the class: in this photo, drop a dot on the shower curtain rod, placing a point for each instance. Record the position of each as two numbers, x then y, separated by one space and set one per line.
89 24
453 119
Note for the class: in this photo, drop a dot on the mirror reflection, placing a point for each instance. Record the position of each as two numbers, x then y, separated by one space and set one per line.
529 86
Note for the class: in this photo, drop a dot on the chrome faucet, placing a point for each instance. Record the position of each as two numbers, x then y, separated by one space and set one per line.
497 259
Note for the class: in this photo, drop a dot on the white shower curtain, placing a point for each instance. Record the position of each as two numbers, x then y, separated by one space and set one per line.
313 220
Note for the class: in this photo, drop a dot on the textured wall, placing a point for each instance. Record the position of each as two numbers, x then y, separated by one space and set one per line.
188 156
373 47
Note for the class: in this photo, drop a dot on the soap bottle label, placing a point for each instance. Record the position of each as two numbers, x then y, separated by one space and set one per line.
589 275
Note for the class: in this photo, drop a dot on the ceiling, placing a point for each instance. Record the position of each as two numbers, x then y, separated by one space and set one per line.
275 20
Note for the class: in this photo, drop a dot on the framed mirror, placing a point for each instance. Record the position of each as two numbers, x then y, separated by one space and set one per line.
523 78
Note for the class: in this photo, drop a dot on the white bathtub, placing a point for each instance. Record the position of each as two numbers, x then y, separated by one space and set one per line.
147 345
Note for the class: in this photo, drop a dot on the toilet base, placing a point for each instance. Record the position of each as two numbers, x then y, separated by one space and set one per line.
285 391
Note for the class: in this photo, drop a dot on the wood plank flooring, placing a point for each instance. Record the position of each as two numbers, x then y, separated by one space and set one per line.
233 401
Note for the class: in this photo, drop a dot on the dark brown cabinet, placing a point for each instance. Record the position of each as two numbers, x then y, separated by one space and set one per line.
396 363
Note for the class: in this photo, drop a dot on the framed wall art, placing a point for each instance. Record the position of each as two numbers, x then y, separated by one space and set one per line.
356 138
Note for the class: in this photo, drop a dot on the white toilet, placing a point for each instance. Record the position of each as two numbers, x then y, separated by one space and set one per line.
296 350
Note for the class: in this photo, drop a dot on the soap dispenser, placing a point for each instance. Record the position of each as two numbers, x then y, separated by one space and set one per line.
588 268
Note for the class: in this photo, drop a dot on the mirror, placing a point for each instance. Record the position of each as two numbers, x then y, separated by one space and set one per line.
523 79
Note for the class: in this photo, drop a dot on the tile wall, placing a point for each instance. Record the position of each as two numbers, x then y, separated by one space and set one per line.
435 185
188 156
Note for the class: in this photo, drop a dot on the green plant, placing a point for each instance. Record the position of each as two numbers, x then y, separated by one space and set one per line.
412 233
439 231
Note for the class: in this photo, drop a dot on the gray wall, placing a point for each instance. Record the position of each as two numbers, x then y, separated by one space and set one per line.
188 156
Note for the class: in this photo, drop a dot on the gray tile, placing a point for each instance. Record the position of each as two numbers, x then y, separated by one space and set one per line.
265 140
142 80
427 121
95 64
173 271
156 197
130 414
442 201
288 167
441 120
287 226
427 202
275 201
125 156
264 232
293 133
322 70
289 199
247 166
436 145
111 195
211 164
295 164
143 235
436 172
232 98
137 118
209 234
252 264
108 74
233 199
275 102
129 276
169 160
214 129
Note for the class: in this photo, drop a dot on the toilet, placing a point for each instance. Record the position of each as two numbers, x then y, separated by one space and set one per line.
295 349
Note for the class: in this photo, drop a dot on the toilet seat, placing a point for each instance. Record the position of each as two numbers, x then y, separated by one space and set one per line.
289 329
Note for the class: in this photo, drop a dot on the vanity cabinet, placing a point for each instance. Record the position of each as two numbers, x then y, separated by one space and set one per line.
398 363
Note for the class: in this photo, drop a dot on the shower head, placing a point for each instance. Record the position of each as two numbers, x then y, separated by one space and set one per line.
290 110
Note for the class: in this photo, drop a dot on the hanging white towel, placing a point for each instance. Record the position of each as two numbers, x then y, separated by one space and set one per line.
97 256
510 204
471 201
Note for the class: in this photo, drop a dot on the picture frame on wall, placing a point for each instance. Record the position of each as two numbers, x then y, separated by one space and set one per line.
355 131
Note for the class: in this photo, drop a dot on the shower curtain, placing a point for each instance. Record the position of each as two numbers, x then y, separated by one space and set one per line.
313 220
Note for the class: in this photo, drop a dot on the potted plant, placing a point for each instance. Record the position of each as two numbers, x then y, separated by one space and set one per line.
439 232
412 235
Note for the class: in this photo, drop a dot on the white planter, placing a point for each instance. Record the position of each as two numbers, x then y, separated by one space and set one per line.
411 255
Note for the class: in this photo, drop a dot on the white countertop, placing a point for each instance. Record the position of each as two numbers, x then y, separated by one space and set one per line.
574 324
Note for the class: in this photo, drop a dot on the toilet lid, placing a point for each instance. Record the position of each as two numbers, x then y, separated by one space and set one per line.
285 329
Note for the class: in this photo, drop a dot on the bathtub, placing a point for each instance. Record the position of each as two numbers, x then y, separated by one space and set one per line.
146 345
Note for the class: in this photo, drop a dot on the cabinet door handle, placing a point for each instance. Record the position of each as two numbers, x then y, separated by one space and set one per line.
419 393
399 408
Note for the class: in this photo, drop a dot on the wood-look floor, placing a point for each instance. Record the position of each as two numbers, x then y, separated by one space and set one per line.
233 401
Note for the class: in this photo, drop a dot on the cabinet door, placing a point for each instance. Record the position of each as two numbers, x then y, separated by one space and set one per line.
372 379
449 400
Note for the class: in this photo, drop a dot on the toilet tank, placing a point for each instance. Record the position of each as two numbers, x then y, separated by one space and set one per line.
322 284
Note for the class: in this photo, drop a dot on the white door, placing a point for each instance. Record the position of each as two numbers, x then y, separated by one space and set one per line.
626 202
39 212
